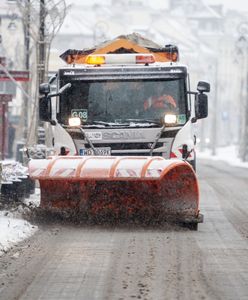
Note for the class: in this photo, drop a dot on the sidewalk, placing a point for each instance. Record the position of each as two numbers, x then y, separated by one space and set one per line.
227 154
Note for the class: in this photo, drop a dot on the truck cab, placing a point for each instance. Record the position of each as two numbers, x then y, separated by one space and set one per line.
123 104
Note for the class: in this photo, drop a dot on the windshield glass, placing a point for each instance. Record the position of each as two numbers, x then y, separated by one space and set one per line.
119 102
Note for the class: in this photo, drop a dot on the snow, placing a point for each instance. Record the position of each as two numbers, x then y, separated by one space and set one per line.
34 200
13 229
227 154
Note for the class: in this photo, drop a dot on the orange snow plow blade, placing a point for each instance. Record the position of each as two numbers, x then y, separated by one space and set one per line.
118 186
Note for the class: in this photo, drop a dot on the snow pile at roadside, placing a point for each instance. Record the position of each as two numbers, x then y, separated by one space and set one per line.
34 199
13 230
227 154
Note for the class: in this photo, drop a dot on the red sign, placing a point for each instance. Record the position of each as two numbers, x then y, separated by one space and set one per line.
3 61
3 129
17 75
5 98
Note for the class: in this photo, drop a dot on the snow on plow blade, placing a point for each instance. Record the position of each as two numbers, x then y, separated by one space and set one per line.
118 186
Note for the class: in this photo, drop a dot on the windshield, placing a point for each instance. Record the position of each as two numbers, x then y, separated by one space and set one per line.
122 102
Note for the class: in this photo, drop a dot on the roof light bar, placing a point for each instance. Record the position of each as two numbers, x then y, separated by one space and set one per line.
95 59
145 59
120 59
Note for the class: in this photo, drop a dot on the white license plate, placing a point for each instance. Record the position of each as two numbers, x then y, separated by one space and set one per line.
105 151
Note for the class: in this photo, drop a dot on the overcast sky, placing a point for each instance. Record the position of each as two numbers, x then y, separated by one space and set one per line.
232 4
228 4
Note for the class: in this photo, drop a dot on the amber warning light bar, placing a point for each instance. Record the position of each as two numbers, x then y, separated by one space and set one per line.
120 59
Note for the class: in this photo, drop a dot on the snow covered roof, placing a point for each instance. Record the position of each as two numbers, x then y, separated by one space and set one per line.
196 9
82 18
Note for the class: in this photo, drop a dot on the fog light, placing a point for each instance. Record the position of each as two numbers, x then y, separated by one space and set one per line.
74 122
170 119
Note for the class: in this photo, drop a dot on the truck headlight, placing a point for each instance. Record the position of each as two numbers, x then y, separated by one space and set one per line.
74 122
170 119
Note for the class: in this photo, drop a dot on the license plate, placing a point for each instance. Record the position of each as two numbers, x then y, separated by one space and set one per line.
105 151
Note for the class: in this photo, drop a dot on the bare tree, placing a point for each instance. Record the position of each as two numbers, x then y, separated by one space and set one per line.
43 19
35 12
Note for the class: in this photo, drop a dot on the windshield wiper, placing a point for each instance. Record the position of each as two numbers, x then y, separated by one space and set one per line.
106 124
124 123
144 121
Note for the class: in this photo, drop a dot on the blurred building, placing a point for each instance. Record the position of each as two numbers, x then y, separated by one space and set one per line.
11 54
206 36
12 48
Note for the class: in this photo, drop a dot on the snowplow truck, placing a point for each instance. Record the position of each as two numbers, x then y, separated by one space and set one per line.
120 126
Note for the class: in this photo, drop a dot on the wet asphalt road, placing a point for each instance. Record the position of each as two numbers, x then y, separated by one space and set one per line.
170 262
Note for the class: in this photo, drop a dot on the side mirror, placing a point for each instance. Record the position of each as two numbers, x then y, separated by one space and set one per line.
201 106
203 87
44 88
45 103
45 109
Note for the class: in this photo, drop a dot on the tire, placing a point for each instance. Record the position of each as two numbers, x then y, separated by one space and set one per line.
193 162
192 226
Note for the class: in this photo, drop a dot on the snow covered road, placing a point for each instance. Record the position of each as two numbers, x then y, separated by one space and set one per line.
95 262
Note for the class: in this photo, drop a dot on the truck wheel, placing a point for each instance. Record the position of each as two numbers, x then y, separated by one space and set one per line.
193 162
192 226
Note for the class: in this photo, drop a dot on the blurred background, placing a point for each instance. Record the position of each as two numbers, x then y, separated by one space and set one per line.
212 36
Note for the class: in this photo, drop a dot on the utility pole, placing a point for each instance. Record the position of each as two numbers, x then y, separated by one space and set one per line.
38 14
42 45
27 66
243 48
41 64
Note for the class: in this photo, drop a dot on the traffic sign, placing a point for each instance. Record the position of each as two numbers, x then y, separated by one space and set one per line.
5 98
